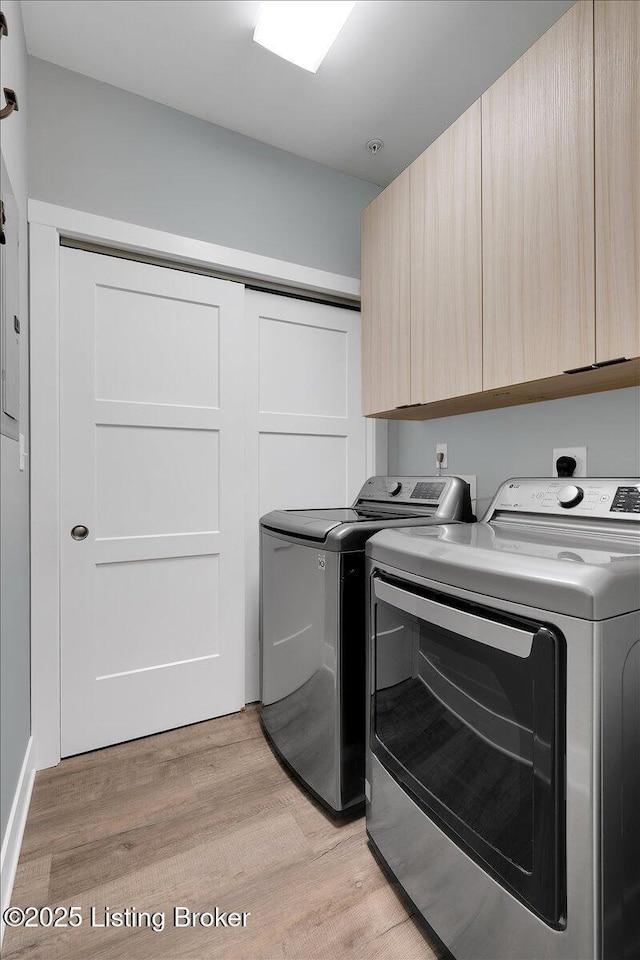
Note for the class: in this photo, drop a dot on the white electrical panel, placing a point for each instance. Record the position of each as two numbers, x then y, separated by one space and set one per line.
9 312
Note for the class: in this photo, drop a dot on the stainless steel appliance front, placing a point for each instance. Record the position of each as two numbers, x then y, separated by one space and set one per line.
301 672
465 715
312 626
504 736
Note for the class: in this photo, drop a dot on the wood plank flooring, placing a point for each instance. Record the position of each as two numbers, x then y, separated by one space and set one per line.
203 816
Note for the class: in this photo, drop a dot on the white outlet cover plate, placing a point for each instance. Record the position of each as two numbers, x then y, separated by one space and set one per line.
441 448
579 454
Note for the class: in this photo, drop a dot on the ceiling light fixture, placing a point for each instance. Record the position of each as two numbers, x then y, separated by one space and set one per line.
301 31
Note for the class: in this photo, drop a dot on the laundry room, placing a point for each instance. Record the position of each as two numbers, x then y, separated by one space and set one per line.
320 479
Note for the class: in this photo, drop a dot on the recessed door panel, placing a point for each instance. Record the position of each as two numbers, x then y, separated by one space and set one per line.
298 470
303 369
146 483
155 349
143 607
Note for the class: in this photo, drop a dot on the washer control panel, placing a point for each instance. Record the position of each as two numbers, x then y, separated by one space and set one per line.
409 490
578 496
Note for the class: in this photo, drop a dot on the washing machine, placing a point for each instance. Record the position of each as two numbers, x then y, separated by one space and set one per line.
503 759
312 626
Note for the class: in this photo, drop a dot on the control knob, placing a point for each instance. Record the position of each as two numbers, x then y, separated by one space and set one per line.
570 495
394 488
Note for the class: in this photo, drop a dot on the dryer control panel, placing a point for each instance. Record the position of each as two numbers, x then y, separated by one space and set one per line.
613 498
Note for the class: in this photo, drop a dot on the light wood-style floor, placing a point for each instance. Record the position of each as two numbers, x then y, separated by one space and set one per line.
202 816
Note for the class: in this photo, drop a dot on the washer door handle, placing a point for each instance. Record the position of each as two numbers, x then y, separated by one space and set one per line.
80 532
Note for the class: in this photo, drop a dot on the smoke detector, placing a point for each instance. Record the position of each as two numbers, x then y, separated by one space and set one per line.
374 146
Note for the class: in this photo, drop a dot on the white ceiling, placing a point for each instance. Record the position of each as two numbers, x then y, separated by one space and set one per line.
400 70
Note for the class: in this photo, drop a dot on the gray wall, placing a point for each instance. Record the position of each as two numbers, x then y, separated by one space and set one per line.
15 712
519 441
96 148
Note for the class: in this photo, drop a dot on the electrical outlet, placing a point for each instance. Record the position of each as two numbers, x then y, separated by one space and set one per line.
579 454
441 448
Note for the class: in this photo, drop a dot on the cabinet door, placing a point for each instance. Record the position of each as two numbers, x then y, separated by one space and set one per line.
385 299
538 208
617 94
446 264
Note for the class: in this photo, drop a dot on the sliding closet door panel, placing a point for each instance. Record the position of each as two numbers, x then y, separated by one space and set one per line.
152 594
305 433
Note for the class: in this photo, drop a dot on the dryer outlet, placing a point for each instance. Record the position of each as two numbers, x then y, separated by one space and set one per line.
579 454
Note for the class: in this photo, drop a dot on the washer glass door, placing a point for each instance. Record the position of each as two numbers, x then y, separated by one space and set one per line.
465 715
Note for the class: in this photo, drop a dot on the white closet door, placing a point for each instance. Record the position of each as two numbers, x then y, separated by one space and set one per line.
306 433
152 601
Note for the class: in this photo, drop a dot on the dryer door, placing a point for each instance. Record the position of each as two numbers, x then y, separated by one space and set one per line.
465 715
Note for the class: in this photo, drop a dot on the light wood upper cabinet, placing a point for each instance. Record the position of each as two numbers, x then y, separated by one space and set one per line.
446 264
617 125
385 293
538 208
509 252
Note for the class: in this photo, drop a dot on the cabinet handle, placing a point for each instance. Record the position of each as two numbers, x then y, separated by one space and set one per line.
596 366
11 103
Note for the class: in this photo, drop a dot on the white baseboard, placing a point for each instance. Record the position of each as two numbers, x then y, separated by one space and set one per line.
15 828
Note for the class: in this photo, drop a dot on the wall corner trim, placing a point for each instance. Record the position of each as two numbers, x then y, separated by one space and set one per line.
15 829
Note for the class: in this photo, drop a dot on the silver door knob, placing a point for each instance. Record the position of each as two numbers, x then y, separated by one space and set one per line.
80 532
